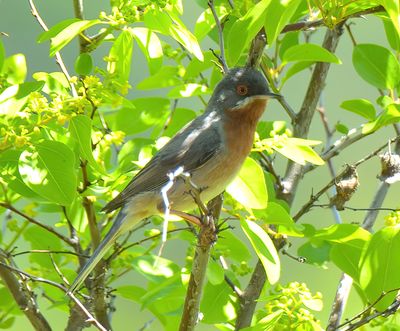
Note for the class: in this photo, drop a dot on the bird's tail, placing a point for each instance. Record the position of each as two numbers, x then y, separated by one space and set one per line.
100 251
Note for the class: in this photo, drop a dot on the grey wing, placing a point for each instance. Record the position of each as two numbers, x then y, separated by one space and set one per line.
191 148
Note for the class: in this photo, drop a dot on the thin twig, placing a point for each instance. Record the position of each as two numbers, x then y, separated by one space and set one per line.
306 207
33 221
221 57
58 57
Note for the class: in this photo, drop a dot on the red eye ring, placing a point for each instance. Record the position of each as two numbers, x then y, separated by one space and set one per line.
242 89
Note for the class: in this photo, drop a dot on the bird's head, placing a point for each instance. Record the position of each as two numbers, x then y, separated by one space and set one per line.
239 88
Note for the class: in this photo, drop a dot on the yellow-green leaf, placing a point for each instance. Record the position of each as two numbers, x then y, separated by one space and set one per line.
249 186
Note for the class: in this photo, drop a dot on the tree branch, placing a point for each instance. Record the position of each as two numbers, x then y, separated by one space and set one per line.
43 226
22 296
206 238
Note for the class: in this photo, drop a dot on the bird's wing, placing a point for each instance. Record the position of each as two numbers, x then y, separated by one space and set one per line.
191 148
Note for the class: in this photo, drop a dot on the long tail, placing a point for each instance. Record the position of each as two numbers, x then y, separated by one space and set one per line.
100 251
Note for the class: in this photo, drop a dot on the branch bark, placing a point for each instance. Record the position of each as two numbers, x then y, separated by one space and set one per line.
206 238
23 296
294 172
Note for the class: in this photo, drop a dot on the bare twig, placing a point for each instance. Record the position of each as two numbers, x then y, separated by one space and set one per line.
221 57
315 197
33 221
59 59
78 11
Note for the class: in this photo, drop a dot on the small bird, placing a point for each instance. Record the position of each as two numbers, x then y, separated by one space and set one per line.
211 148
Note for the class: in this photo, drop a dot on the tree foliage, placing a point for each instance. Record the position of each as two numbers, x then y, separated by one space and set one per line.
70 140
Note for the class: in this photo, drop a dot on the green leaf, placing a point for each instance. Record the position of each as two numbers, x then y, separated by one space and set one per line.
233 247
155 268
10 174
195 66
247 28
376 65
121 56
48 169
264 248
389 116
84 64
40 238
295 68
170 25
267 323
278 15
54 82
289 39
167 76
380 265
309 52
151 47
80 128
299 151
131 292
141 114
216 304
206 22
62 33
13 98
362 107
275 214
188 90
215 273
392 35
180 118
392 7
348 241
315 252
249 187
14 67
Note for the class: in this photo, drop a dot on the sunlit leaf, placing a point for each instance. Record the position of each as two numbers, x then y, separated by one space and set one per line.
120 56
155 268
206 22
265 249
361 107
48 169
55 82
278 15
378 265
62 33
309 52
169 24
80 128
376 65
188 90
299 151
247 28
13 98
83 64
151 47
216 305
249 192
14 67
167 76
389 116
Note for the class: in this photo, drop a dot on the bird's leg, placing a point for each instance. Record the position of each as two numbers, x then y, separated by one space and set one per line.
188 217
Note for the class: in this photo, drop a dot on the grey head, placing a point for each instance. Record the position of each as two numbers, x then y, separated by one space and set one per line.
239 85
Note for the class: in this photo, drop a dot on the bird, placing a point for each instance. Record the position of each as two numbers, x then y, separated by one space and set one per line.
211 148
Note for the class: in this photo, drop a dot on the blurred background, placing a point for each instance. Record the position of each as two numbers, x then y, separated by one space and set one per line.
343 83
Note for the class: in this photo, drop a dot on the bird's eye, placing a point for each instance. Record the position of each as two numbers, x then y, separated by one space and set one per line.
242 89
